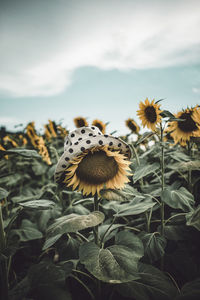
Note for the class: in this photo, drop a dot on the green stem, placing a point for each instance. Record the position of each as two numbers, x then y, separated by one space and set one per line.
162 208
190 171
3 263
138 163
96 228
162 163
105 233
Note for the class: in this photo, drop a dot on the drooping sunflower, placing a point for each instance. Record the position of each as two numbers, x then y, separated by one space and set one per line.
92 161
182 131
149 114
80 122
132 125
97 168
100 125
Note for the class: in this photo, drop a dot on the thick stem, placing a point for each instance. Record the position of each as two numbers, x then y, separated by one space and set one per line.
3 263
96 228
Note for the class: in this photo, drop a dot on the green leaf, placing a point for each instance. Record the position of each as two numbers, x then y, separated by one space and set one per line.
27 231
154 245
152 285
190 291
193 218
178 199
24 152
144 170
3 193
115 264
167 114
135 208
144 137
74 223
38 204
51 241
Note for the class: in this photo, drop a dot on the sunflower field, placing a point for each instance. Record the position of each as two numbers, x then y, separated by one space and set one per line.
104 217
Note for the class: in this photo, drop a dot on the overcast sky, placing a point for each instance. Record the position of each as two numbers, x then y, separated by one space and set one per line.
60 59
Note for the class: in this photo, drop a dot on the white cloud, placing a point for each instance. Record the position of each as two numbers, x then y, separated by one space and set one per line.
44 42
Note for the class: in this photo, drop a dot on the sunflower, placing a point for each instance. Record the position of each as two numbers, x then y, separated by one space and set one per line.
97 168
80 122
7 139
132 125
149 114
52 128
100 125
3 149
182 131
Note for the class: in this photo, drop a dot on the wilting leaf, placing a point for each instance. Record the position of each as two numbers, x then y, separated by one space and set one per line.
74 223
154 245
193 218
153 284
115 264
144 170
38 204
117 195
179 199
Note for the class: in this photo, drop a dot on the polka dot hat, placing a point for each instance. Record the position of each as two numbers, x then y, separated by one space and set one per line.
84 138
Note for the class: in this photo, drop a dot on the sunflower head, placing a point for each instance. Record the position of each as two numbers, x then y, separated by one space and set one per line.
80 122
182 131
100 125
132 125
93 161
149 114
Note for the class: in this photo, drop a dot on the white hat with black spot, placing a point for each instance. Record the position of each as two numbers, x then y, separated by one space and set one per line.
85 138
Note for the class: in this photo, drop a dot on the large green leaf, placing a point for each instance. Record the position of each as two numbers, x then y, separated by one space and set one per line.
144 170
115 264
135 207
153 284
74 223
178 199
193 218
154 245
38 204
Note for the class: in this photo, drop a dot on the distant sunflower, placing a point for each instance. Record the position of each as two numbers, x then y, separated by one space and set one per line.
52 128
132 125
97 168
100 125
3 149
80 122
182 131
149 114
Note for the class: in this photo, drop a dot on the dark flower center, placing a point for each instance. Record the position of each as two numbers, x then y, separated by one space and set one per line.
188 125
99 126
150 114
132 126
81 122
97 168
